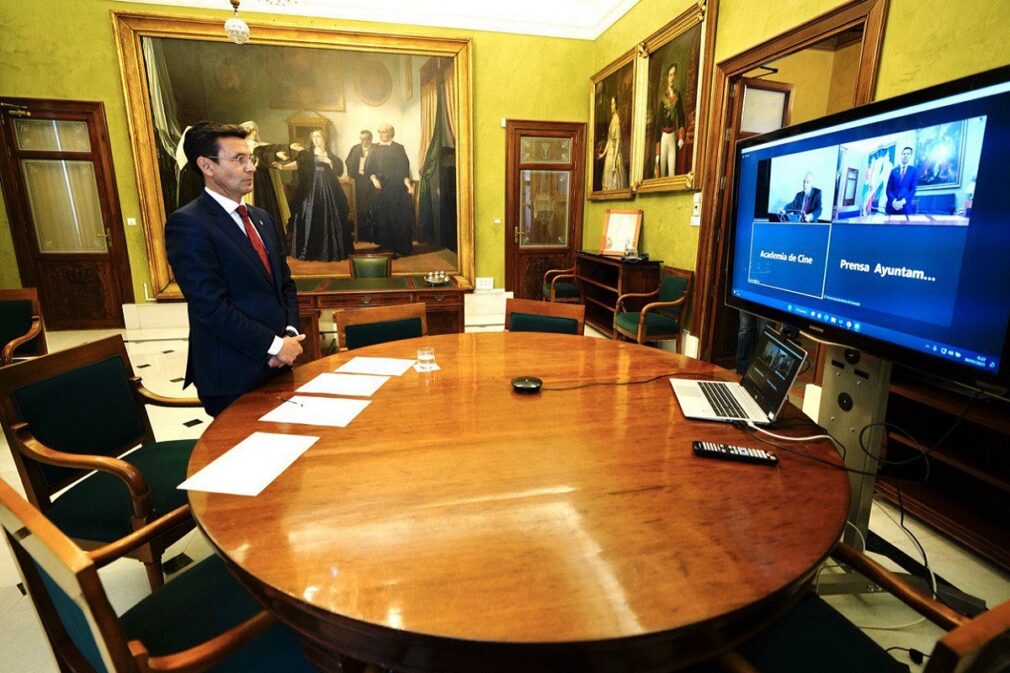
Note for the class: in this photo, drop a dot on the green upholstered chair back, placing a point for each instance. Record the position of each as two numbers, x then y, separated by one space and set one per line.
528 322
64 585
530 315
368 334
15 319
90 410
371 266
670 289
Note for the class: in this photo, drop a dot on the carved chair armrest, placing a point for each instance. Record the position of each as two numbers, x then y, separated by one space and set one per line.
570 271
660 305
205 655
7 355
147 396
115 550
633 295
932 609
27 444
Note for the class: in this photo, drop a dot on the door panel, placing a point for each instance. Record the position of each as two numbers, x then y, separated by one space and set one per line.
543 201
63 206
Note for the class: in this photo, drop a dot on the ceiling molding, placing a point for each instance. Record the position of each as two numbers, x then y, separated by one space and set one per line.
575 19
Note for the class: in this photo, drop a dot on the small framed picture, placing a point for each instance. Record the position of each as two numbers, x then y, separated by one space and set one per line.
620 231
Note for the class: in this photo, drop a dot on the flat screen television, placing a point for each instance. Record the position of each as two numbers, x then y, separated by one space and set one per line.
885 228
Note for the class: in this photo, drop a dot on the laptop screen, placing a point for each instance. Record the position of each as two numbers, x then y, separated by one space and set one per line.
772 370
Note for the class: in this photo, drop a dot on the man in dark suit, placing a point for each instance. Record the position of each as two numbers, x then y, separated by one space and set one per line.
806 205
363 188
901 185
225 256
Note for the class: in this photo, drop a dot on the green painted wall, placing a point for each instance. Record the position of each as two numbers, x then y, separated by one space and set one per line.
65 49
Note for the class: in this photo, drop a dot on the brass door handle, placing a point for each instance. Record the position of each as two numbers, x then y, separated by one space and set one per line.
439 297
366 300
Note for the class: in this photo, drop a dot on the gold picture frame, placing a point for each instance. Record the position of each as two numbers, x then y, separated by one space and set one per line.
612 128
454 79
673 80
621 229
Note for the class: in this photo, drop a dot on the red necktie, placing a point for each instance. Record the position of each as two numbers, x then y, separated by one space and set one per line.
254 238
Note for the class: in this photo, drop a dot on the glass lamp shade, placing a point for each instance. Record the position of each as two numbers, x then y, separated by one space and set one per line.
237 30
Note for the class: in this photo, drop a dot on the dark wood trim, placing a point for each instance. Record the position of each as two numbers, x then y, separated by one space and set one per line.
93 114
871 14
514 130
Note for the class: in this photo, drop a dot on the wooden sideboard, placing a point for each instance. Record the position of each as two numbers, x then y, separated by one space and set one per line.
602 279
444 302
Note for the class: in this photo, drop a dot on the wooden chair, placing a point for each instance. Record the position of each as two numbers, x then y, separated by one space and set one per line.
372 265
528 315
360 327
72 414
21 326
815 637
202 620
658 320
559 286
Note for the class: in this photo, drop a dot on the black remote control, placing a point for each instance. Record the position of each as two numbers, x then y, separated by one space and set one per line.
740 453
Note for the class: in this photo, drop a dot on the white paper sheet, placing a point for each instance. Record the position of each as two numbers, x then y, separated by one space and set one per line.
380 366
249 466
354 385
335 412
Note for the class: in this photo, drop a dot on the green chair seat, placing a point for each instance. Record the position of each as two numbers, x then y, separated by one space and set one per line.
166 621
528 322
562 290
98 507
369 334
655 323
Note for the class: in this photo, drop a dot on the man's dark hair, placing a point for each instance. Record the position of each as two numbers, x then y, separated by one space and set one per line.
907 148
366 132
202 139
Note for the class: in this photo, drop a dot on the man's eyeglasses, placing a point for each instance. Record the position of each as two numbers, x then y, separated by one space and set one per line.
240 160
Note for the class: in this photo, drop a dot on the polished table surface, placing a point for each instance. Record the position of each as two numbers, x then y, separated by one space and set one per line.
456 525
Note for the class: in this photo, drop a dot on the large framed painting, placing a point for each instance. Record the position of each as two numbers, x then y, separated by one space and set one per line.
388 115
673 83
613 97
939 151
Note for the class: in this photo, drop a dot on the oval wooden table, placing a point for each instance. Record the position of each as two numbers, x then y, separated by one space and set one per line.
456 525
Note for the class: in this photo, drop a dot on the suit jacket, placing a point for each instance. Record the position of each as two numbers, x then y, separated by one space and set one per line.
813 208
235 308
901 188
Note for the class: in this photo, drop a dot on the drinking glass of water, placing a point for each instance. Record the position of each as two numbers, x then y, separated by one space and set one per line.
426 358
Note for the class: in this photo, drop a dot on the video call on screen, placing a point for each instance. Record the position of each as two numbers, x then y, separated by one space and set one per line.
897 228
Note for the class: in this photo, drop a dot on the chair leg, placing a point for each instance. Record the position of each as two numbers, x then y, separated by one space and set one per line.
155 576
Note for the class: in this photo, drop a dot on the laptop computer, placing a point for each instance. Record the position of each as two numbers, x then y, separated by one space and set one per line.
758 398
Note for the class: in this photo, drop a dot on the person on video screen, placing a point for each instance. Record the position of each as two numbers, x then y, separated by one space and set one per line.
901 185
806 205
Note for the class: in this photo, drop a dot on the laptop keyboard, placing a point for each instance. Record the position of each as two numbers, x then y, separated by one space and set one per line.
722 400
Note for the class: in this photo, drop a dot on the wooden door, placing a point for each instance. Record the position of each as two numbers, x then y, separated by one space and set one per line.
544 185
759 106
63 206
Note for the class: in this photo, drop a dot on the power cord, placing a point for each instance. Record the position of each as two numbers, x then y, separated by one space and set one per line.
668 375
914 655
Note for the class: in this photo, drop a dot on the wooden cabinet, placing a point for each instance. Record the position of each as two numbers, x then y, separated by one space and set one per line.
444 303
602 279
967 438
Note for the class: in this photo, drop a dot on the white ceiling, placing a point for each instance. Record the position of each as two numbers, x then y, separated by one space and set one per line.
580 19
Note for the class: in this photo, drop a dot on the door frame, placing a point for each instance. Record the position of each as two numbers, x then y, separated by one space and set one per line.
711 259
514 129
93 114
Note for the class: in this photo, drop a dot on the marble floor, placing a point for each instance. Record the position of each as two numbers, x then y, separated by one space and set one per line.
159 357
